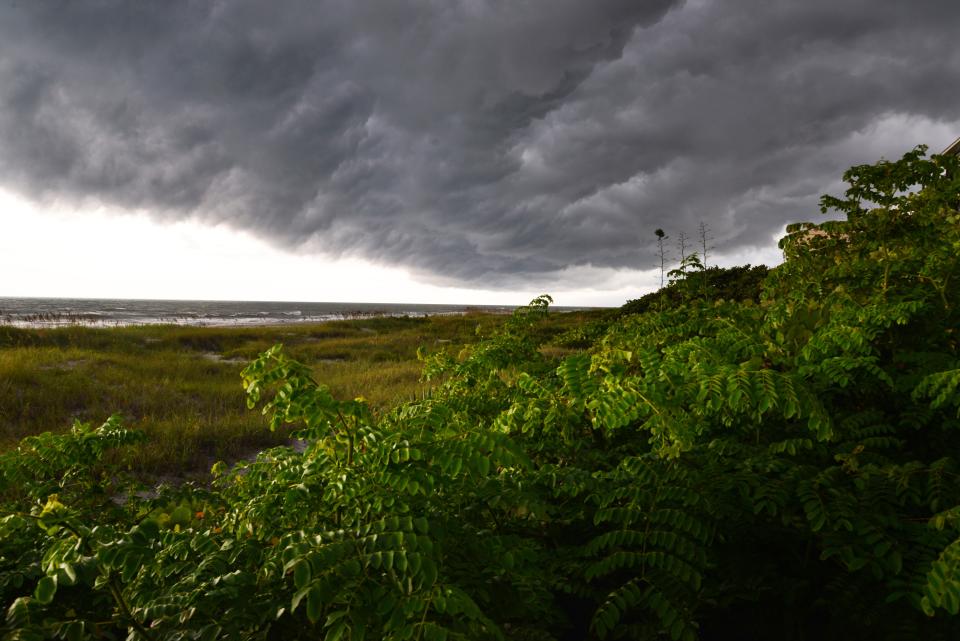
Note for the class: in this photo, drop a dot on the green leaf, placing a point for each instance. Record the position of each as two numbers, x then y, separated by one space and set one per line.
131 566
484 464
315 603
73 631
46 589
428 573
336 631
69 572
301 573
298 597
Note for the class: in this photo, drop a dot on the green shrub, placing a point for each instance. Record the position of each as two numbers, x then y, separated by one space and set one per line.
777 469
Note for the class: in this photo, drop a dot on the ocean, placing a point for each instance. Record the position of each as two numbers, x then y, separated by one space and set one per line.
103 312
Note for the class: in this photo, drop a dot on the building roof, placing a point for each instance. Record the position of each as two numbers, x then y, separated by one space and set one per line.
953 149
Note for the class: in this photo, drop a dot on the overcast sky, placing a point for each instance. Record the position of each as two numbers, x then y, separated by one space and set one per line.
444 150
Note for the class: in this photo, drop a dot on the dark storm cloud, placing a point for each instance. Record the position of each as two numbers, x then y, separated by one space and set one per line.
478 142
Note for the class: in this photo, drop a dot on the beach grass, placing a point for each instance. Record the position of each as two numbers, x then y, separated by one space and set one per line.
181 385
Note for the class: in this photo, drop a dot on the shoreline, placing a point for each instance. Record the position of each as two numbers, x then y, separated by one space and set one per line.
58 321
96 321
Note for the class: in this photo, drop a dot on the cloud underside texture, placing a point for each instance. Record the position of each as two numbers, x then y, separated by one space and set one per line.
475 143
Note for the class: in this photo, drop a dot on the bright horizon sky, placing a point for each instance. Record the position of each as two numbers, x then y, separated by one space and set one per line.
55 251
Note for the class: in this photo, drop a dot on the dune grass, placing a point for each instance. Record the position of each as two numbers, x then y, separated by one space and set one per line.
181 385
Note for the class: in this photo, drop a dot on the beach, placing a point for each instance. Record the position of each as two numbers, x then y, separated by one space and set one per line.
94 312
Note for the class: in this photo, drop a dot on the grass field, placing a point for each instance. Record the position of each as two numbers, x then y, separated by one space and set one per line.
181 385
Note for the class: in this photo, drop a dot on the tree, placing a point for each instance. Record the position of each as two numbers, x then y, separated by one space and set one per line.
682 246
742 283
661 250
703 231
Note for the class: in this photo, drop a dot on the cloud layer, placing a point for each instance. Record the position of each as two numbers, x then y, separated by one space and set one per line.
477 142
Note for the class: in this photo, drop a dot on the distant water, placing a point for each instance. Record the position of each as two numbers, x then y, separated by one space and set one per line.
58 312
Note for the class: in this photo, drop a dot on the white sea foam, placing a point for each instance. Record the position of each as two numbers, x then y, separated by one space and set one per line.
60 312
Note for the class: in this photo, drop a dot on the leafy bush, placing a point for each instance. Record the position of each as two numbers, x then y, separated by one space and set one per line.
784 468
740 283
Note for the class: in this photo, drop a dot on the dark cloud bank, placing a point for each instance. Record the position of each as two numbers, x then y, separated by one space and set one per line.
476 142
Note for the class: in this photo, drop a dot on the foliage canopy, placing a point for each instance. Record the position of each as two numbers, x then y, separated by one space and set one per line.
785 468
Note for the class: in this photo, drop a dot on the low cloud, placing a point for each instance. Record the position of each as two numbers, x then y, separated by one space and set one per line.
474 143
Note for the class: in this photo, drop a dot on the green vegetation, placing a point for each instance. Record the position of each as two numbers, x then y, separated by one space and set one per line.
714 468
741 283
180 384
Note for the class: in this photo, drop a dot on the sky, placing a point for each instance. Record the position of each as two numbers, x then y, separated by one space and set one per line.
447 151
